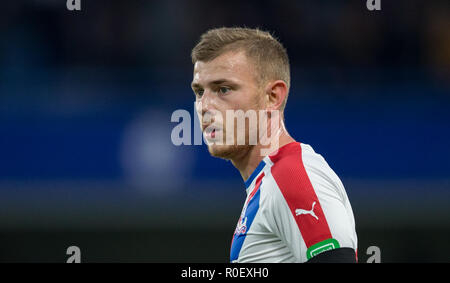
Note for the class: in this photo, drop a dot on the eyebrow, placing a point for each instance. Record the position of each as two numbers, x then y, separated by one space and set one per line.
215 82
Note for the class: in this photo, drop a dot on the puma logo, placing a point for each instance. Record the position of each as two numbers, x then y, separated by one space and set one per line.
299 211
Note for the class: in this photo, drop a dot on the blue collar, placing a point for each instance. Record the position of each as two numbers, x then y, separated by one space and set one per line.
254 174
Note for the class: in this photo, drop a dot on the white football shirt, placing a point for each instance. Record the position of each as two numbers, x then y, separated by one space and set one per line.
296 208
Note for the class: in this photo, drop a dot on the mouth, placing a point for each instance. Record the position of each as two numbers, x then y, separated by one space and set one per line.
210 132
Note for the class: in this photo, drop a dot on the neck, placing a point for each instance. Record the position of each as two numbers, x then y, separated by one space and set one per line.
247 163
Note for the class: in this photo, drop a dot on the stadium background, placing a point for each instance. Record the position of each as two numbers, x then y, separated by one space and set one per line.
86 99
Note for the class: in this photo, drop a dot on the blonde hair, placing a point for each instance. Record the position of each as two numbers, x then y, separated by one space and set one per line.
268 54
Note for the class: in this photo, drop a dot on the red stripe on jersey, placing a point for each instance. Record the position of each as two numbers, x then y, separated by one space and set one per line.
257 184
291 177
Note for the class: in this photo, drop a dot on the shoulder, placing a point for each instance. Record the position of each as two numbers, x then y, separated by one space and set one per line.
305 193
299 172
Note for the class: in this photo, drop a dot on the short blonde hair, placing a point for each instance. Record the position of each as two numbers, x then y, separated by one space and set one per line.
268 54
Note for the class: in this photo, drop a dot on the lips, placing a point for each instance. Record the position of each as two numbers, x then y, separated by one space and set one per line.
210 131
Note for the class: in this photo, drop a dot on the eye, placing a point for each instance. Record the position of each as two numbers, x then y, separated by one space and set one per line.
224 89
199 92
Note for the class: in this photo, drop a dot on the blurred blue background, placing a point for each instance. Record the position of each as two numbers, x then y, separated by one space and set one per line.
86 99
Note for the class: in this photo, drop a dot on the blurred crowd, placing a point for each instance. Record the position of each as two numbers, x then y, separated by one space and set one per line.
327 41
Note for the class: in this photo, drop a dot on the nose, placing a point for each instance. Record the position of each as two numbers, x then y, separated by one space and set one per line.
206 103
206 109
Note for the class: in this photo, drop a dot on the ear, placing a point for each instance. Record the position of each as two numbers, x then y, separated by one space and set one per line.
276 92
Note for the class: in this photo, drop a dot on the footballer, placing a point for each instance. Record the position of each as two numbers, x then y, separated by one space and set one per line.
296 209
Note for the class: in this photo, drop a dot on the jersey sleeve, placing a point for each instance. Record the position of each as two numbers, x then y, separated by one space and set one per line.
310 209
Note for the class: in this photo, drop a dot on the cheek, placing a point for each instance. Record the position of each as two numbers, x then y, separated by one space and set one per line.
246 100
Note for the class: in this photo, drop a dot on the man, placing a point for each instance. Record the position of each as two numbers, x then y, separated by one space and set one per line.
296 209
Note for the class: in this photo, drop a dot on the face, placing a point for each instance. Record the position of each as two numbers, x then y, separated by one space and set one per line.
226 83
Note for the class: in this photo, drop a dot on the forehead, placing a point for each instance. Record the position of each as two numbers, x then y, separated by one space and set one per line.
231 65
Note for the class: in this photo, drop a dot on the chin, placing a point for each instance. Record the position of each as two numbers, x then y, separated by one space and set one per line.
226 151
